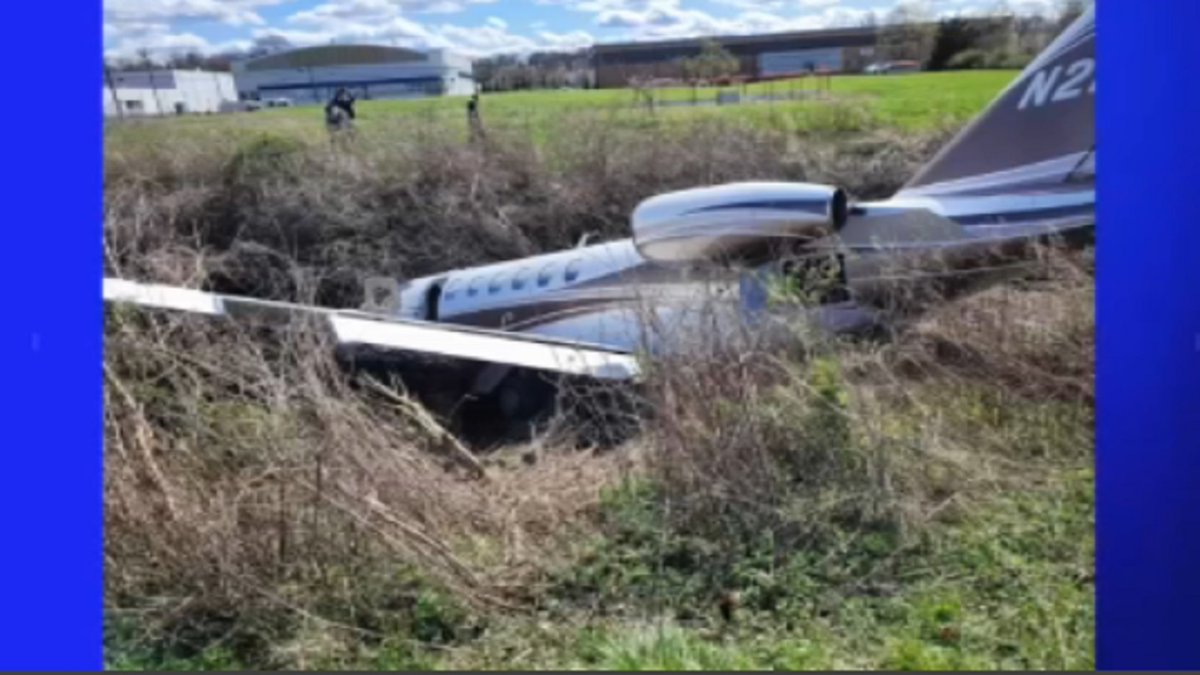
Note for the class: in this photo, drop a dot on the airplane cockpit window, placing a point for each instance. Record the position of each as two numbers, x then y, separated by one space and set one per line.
497 283
546 274
573 269
474 286
520 278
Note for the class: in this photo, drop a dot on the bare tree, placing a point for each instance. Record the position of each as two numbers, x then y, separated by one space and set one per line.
909 32
1069 10
1033 33
269 44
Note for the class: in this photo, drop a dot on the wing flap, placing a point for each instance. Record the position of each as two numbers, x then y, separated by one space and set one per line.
361 328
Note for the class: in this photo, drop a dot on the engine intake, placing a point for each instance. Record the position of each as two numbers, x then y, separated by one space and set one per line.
736 223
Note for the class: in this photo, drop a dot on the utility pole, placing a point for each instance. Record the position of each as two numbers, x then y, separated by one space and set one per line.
149 66
154 90
112 89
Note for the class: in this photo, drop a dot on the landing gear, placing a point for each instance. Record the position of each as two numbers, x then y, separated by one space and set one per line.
820 280
524 398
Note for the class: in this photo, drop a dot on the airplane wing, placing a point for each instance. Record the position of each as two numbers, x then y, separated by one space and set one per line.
362 328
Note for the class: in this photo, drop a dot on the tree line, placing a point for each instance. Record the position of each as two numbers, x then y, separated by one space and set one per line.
1001 38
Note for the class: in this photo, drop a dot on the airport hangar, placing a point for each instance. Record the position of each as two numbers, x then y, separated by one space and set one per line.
314 74
166 92
760 56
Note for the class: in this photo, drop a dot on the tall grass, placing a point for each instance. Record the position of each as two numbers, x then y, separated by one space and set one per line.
266 509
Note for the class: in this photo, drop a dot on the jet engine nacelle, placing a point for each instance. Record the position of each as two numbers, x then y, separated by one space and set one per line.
741 223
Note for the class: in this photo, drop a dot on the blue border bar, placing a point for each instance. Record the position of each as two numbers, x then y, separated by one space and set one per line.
1148 361
51 494
1148 336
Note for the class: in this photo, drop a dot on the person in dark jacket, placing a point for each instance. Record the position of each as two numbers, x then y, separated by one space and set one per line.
342 99
474 123
339 116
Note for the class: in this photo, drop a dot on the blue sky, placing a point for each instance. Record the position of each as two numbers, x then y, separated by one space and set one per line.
481 27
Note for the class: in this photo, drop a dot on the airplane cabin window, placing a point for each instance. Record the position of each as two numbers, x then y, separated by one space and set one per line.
450 290
545 275
497 283
474 286
520 278
573 269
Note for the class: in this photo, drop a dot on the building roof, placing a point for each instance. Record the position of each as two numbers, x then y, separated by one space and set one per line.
334 55
801 37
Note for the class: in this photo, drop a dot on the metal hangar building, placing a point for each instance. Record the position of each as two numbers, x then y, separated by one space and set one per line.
314 74
760 56
166 92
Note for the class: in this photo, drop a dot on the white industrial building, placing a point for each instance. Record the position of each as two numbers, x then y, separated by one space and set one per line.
167 92
314 74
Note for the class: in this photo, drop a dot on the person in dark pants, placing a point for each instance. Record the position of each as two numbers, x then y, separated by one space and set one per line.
473 119
339 117
342 99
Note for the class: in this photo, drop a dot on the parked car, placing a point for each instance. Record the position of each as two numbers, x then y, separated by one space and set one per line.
240 106
892 67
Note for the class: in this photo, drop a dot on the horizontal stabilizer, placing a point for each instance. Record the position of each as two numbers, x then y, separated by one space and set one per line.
893 228
361 328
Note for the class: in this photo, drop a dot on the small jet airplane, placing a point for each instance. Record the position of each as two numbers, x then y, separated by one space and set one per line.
1023 172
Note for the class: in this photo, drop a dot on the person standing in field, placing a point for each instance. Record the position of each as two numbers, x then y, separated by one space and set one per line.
342 99
339 114
473 120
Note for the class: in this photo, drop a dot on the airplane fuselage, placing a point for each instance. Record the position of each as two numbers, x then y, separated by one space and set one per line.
609 294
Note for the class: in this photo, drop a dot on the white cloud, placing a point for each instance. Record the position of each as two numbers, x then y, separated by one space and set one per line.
232 12
159 26
384 21
346 10
482 40
368 10
492 37
395 29
160 44
134 29
664 19
775 5
576 39
755 5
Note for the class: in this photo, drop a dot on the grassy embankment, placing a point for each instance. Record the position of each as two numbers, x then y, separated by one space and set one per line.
921 504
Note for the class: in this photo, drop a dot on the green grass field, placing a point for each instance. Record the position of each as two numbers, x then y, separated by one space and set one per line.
855 103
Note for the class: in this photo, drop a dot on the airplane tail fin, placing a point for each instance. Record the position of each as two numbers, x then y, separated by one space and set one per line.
1038 134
